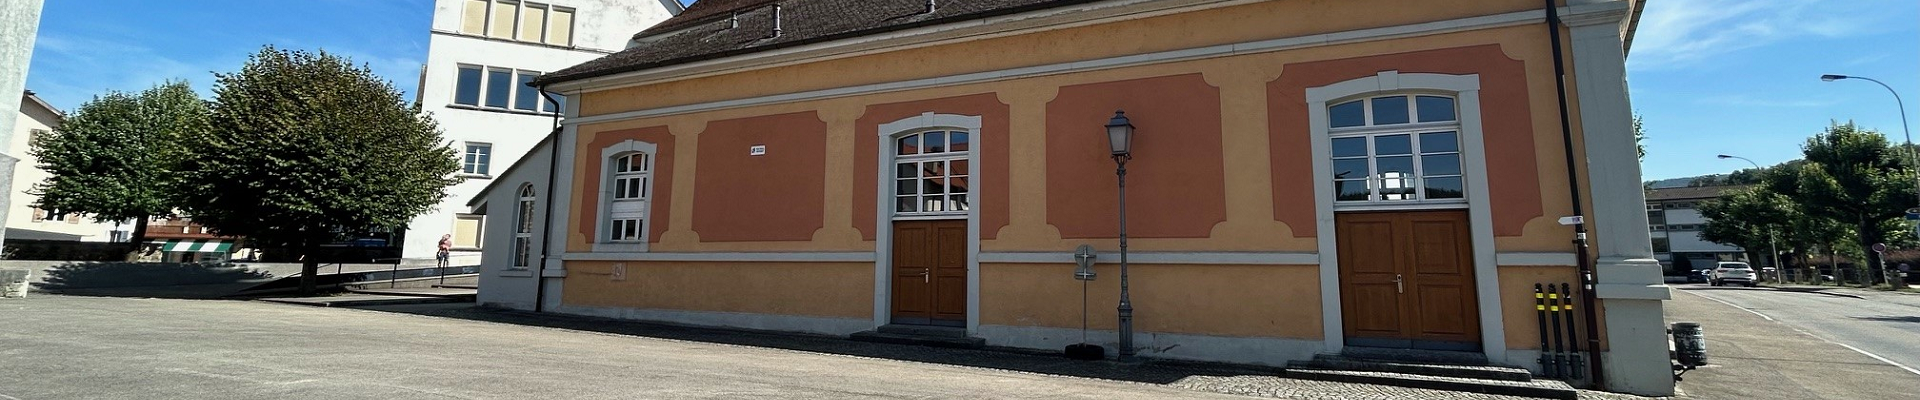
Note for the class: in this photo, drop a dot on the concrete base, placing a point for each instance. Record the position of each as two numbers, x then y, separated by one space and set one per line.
1637 361
820 325
1243 350
13 282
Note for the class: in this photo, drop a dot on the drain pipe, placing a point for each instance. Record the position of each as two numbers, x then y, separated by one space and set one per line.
1573 188
546 226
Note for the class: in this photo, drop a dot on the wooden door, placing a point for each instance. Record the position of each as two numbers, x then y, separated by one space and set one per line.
1406 280
930 272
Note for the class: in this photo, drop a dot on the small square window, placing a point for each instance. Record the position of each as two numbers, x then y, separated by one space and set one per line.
476 159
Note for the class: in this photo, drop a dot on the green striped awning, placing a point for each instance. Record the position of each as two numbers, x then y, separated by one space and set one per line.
193 245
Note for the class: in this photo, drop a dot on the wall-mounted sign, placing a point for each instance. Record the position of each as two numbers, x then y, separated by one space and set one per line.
1573 220
757 150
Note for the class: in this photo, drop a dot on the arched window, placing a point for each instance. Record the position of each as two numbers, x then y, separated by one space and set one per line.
931 175
1396 148
631 183
523 228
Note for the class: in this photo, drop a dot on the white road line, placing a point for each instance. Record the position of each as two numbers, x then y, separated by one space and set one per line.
1803 332
1875 356
1728 304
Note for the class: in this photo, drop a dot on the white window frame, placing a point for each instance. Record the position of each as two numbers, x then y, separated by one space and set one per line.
514 22
522 254
1466 93
920 198
884 211
603 235
466 153
514 90
1413 129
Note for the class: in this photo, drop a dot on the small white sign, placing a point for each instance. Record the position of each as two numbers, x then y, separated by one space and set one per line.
757 150
619 271
1573 220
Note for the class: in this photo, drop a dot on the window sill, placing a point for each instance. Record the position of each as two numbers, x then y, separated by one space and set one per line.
519 272
515 111
477 176
620 247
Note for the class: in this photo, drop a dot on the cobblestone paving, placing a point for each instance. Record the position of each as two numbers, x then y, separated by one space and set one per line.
1228 379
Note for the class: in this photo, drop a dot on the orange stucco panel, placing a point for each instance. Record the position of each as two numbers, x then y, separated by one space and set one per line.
1506 118
1220 300
1176 180
992 144
842 290
778 196
590 182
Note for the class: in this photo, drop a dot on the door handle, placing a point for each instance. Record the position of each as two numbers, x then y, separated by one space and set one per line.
1399 285
926 275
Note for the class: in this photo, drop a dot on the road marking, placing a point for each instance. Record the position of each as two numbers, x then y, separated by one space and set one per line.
1803 332
1728 304
6 397
1875 356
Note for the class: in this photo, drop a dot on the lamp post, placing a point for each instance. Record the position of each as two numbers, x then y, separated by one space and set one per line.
1911 157
1120 141
1775 248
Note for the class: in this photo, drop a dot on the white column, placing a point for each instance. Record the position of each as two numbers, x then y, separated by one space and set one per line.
1629 281
16 50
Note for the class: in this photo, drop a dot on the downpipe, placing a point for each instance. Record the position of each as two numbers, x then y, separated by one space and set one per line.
546 226
1582 257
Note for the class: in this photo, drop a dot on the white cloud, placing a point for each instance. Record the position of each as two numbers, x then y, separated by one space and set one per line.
1679 33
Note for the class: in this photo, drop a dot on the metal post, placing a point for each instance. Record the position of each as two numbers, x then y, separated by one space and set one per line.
1126 302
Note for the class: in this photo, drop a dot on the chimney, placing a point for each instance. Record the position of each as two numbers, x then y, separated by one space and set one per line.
776 20
931 6
734 22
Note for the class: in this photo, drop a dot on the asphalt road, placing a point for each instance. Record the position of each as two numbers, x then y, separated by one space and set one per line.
1884 325
55 347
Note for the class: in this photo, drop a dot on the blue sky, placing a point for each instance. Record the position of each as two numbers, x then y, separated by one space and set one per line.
1709 76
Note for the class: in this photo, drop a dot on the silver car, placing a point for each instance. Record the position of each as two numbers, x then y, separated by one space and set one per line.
1732 273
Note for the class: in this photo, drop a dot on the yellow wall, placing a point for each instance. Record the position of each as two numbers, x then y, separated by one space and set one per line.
808 289
1220 300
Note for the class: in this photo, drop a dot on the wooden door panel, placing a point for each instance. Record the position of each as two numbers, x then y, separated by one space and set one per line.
912 289
1430 252
950 270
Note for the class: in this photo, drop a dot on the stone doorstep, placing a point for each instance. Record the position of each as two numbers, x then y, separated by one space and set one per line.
1546 389
1336 362
877 336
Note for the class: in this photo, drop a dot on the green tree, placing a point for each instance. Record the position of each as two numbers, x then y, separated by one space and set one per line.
1852 176
113 158
1639 137
305 145
1755 219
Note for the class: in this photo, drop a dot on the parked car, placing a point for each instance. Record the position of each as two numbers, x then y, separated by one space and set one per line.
1732 272
1699 275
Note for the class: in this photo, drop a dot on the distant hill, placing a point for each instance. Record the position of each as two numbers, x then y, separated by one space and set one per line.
1677 182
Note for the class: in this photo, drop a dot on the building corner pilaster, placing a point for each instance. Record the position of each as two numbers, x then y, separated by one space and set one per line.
1628 280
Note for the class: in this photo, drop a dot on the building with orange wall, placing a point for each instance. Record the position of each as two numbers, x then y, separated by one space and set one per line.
1308 177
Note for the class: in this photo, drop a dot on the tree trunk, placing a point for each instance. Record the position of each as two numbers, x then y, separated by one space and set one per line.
137 240
1868 237
309 267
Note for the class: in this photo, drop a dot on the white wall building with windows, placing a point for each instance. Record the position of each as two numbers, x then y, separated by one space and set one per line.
480 56
24 222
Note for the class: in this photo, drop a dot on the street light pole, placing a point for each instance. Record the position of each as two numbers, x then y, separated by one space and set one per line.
1912 158
1120 142
1778 271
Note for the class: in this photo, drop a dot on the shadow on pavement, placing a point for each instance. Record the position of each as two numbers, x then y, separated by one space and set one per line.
166 280
1155 372
1886 318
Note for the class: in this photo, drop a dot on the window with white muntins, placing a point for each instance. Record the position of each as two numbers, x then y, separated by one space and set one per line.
632 188
477 159
1401 148
523 228
518 21
931 174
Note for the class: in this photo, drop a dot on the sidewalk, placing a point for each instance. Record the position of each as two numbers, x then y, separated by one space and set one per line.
1755 358
382 297
1204 377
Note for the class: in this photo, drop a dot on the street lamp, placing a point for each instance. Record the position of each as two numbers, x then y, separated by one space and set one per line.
1778 271
1120 141
1911 157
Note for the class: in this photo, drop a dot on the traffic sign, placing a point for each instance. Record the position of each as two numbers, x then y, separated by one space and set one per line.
1879 247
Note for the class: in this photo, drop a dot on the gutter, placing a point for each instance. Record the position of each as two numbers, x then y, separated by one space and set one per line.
1582 258
546 225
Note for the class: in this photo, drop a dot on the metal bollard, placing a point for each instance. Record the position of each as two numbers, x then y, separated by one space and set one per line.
1689 344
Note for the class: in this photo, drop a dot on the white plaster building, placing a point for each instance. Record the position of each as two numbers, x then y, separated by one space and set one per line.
1673 216
37 118
480 56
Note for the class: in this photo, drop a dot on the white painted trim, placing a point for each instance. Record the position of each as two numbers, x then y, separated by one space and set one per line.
1254 47
852 257
1538 259
776 322
1466 89
601 225
553 273
883 211
515 273
1170 257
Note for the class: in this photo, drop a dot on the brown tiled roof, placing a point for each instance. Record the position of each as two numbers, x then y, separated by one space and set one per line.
1688 193
704 30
